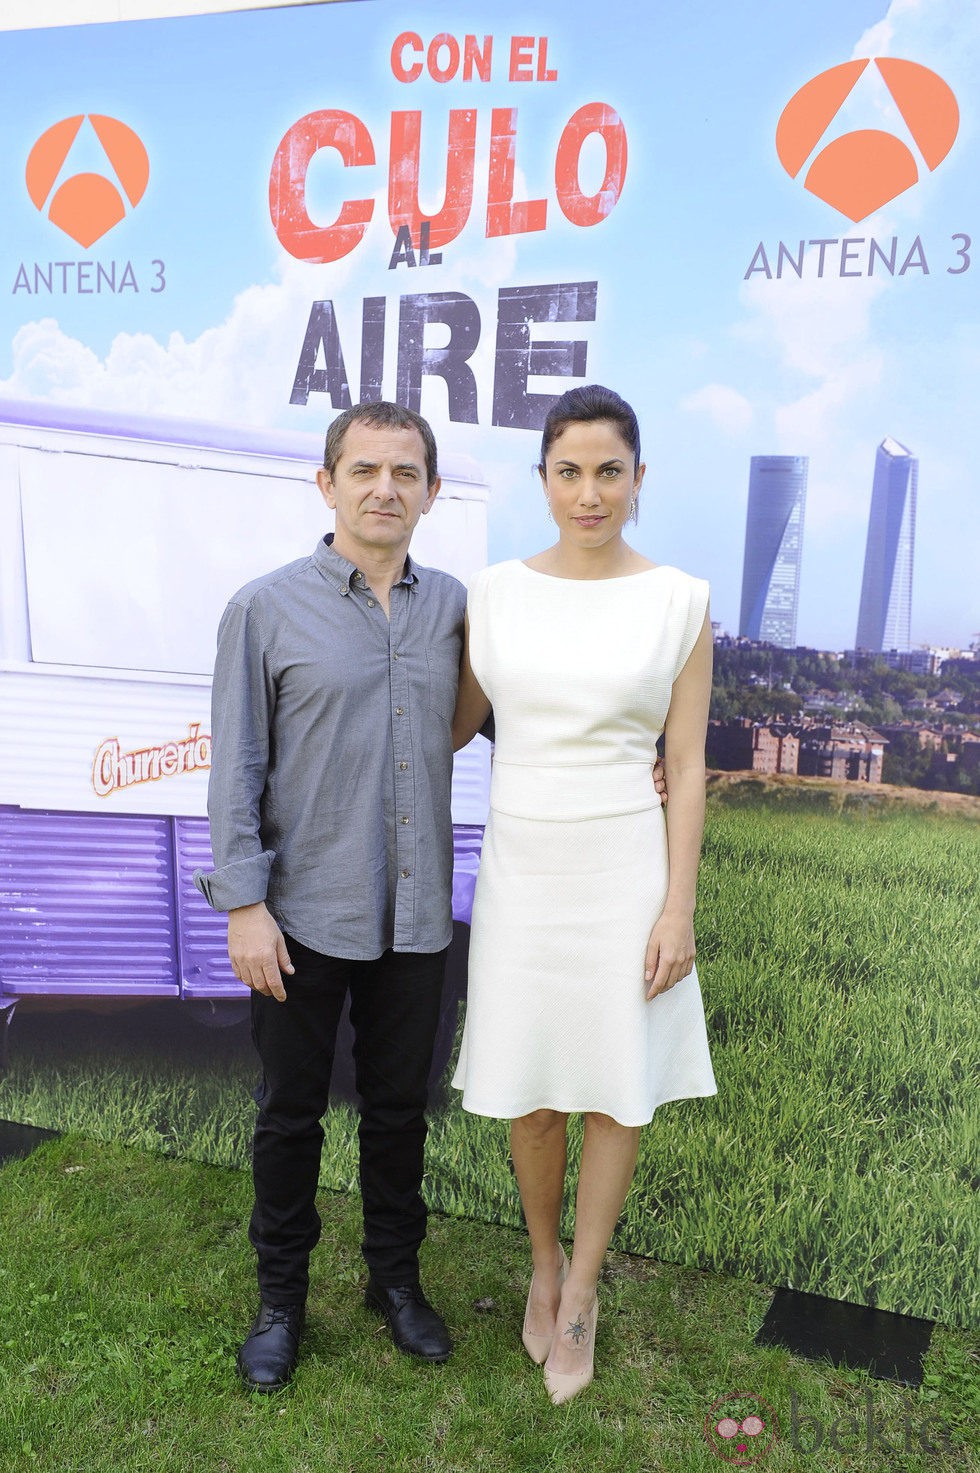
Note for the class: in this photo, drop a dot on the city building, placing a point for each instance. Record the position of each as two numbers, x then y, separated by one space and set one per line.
906 736
773 548
969 753
756 746
885 613
848 751
916 662
851 751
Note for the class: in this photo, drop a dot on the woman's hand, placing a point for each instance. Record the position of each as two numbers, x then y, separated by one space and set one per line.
670 952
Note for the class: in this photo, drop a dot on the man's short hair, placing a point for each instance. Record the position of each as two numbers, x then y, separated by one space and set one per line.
381 415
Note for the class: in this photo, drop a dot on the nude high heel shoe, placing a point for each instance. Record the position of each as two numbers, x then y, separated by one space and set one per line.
538 1346
563 1385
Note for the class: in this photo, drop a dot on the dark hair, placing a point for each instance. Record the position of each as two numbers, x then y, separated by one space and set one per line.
584 406
380 415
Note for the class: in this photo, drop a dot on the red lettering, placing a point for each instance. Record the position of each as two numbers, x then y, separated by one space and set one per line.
503 216
544 74
307 240
579 208
403 73
521 59
437 72
403 181
476 60
287 186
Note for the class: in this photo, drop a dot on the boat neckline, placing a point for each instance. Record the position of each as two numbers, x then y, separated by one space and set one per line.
621 578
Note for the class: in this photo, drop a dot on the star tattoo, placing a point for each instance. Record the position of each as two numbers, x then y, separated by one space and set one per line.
578 1331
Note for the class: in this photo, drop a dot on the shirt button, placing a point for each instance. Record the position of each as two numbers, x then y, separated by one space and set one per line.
406 873
399 710
404 820
370 603
394 657
358 577
403 767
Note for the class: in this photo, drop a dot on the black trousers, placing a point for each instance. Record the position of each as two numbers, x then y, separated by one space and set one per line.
394 1012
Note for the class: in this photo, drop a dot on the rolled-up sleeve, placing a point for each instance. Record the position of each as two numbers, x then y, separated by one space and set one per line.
242 710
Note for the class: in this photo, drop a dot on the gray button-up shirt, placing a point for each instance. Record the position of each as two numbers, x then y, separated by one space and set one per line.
329 796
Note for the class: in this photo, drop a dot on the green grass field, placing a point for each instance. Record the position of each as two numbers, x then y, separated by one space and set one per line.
840 968
125 1289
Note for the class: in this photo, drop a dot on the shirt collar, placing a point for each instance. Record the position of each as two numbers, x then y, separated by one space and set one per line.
341 573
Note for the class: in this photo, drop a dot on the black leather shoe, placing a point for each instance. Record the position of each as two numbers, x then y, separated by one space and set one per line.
415 1326
268 1358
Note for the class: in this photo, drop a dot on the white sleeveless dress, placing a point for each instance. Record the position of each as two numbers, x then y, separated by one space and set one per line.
574 866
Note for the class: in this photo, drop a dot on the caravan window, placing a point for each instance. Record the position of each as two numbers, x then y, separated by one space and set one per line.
130 562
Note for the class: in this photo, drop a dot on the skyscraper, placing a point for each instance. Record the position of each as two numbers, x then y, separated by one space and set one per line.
773 548
885 613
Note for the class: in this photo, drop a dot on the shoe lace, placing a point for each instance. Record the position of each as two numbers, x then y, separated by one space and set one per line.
281 1314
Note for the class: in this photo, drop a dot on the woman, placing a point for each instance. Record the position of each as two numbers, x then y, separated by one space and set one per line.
582 992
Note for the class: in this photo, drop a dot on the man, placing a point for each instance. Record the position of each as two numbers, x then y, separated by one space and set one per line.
329 802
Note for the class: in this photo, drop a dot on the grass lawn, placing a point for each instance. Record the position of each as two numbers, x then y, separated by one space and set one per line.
840 979
126 1284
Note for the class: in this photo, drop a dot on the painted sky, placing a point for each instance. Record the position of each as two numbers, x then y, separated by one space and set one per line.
718 367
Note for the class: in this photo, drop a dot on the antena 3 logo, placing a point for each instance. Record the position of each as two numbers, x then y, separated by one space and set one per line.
863 170
86 206
859 171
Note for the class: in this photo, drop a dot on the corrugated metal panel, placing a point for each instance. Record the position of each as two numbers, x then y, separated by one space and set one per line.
86 904
467 843
105 905
471 783
203 932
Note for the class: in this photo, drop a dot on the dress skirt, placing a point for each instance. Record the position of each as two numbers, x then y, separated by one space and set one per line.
557 1016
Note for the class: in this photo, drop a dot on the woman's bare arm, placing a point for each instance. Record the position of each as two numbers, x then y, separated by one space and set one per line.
670 951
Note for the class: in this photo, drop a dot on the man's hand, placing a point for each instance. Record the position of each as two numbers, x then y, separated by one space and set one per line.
257 950
660 781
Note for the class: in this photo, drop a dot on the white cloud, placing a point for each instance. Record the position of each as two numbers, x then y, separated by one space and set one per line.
728 410
876 40
815 323
942 34
809 420
908 17
239 371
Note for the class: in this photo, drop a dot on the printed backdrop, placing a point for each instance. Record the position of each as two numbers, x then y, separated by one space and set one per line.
757 223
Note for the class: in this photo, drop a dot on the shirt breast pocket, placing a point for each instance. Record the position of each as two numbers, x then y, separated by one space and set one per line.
442 659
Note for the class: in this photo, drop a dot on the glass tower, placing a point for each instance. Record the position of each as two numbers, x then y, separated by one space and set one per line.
885 614
773 548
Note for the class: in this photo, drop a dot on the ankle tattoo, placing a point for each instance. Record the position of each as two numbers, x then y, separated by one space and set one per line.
578 1330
